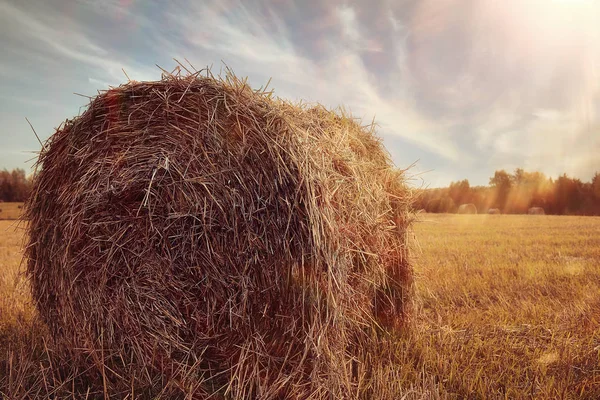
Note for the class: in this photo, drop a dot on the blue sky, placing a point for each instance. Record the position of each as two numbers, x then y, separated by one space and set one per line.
463 86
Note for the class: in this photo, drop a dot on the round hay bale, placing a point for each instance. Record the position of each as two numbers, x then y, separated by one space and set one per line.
536 211
467 209
194 235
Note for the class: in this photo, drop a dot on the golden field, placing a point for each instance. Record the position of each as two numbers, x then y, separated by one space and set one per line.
10 211
508 307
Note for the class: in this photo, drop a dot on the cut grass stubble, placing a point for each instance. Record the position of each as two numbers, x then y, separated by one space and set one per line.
509 309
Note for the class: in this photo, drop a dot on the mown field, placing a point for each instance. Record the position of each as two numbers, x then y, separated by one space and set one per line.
509 307
10 211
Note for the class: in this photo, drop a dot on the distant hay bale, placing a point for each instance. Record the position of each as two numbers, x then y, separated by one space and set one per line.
494 211
195 235
536 211
467 209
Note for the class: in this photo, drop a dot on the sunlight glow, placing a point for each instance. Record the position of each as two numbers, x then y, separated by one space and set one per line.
572 2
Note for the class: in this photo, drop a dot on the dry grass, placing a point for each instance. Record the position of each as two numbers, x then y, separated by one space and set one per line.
11 211
510 308
14 298
21 333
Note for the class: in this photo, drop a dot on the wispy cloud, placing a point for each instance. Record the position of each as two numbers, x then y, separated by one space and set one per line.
47 34
466 87
240 35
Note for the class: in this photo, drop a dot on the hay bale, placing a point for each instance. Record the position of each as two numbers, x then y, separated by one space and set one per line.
494 211
196 235
467 209
536 211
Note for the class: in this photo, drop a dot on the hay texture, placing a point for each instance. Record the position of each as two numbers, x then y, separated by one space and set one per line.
469 208
193 236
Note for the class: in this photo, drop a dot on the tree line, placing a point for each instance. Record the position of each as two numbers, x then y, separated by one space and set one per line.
511 193
515 193
14 185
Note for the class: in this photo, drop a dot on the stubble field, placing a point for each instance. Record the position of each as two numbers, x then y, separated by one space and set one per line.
508 307
10 211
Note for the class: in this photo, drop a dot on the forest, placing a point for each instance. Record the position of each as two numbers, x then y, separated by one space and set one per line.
15 186
510 193
516 193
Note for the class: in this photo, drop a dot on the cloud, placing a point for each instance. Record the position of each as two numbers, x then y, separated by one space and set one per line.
347 17
46 33
464 86
239 34
562 138
501 69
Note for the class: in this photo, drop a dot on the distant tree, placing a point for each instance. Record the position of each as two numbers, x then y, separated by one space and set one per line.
481 197
14 185
517 193
460 192
519 176
502 181
529 189
596 185
441 205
